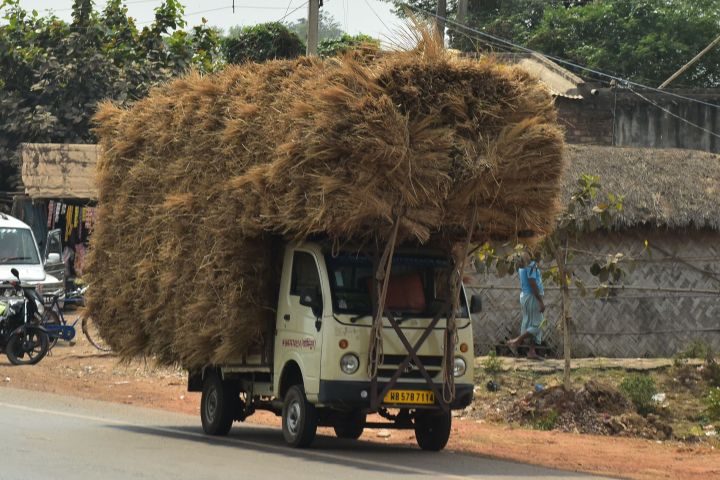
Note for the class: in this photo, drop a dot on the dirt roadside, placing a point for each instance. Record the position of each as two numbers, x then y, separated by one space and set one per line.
80 371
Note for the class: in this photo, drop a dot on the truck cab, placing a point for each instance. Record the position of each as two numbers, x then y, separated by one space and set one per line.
317 369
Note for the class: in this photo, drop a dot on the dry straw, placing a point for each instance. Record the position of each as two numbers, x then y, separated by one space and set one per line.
201 181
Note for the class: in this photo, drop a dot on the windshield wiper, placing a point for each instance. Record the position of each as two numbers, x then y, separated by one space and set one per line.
9 259
358 317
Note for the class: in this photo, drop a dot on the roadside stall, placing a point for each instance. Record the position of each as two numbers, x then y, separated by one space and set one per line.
60 198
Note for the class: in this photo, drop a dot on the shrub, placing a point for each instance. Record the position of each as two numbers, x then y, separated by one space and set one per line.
639 389
696 349
492 364
712 400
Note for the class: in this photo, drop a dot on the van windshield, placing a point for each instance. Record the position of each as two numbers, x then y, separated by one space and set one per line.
418 286
17 247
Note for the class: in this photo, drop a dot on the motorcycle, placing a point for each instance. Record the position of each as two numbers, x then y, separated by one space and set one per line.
23 341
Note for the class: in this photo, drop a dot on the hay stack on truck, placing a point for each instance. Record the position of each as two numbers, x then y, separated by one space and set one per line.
328 209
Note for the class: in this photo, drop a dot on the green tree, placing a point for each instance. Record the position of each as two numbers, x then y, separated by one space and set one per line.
346 43
643 40
329 28
53 73
265 41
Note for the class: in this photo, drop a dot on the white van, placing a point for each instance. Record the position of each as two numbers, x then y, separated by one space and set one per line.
18 249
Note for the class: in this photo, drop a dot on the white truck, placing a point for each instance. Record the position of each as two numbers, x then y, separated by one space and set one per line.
316 366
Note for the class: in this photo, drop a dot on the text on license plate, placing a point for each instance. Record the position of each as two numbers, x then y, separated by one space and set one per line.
417 397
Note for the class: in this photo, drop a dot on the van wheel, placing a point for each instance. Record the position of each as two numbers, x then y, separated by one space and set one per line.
299 418
217 406
432 429
351 426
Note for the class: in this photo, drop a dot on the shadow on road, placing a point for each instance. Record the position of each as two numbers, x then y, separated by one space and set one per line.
362 455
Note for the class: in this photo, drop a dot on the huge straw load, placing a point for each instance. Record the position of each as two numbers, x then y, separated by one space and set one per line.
199 180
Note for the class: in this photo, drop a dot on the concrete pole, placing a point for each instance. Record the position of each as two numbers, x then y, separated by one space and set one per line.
313 27
462 12
441 14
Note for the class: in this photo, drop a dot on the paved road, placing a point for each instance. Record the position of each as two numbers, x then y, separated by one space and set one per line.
44 436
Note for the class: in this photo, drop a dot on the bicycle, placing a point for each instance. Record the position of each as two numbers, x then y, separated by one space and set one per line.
54 321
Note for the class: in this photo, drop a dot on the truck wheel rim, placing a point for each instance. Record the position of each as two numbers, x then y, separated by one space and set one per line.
293 417
211 405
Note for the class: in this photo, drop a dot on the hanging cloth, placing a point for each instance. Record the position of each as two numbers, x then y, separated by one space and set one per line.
51 214
68 222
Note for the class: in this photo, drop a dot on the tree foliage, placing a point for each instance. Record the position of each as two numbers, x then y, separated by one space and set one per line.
328 29
53 73
346 43
643 40
262 42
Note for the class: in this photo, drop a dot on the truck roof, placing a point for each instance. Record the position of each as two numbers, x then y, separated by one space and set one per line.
12 222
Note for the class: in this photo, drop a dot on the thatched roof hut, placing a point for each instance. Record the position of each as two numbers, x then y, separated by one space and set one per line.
671 298
663 188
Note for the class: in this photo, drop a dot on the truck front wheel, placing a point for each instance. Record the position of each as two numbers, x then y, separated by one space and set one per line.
432 429
217 406
299 418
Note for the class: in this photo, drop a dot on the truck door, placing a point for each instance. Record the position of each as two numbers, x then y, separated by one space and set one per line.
299 318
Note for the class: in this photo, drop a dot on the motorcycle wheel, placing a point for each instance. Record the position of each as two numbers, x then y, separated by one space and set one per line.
27 347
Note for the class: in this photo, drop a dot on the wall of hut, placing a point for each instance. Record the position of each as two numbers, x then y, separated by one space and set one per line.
667 303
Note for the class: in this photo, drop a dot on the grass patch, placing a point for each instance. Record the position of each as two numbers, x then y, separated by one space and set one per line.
547 421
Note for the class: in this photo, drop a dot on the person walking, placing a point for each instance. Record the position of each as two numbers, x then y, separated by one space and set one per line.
532 306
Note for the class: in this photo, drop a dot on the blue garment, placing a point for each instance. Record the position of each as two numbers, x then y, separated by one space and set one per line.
533 319
526 273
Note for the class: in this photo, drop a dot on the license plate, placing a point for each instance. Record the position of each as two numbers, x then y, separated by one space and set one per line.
415 397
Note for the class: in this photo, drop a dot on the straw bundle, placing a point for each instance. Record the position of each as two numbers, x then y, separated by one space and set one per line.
200 180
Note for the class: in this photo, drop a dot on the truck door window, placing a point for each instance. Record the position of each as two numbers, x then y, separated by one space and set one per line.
305 276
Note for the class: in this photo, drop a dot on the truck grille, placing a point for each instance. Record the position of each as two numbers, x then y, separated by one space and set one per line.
433 364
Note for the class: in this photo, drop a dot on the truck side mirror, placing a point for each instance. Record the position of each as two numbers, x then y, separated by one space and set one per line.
53 258
476 303
310 297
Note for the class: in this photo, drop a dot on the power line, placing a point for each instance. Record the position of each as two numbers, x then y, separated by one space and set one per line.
562 60
378 16
190 14
291 12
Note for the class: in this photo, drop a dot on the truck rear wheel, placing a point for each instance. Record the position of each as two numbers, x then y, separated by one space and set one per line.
352 426
432 429
217 406
299 418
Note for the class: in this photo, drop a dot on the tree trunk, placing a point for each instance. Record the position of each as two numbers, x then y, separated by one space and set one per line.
560 258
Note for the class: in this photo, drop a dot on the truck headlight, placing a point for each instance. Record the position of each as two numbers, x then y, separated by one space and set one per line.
349 363
459 367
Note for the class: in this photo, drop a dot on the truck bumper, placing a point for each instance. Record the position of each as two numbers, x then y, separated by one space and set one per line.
344 394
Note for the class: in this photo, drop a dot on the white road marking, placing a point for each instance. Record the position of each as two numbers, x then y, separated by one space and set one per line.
308 453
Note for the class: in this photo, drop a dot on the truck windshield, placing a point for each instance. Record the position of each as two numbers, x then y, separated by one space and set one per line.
17 247
417 288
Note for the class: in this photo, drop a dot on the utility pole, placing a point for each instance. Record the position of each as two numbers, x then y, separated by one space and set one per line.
690 63
440 15
313 26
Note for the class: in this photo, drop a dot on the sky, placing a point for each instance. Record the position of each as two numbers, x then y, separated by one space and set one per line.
372 17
